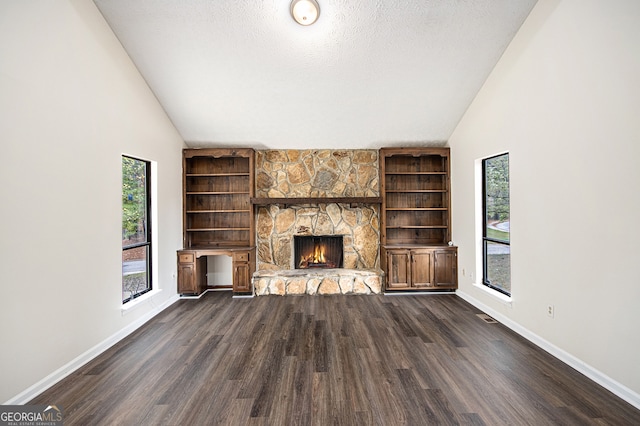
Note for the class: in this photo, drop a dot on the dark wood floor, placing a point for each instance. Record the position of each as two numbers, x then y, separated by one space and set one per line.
343 360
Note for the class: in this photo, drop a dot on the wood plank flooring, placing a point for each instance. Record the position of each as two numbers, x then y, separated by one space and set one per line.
333 360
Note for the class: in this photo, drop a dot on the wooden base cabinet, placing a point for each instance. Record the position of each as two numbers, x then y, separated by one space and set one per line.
192 269
421 268
244 265
192 273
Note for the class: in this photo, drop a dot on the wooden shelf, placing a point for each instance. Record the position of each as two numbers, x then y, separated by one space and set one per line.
216 229
415 173
411 209
217 192
218 211
417 191
417 227
215 174
265 201
412 245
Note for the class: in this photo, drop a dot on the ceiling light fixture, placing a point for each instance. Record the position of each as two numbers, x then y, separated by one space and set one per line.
305 12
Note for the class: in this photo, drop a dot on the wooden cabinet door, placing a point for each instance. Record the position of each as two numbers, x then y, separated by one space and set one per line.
421 267
398 269
192 273
186 279
242 271
241 277
445 268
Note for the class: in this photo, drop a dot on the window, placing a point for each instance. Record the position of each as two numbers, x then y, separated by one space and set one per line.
136 228
496 249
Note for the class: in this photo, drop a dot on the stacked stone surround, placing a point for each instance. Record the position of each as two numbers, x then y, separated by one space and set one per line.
276 227
325 174
317 173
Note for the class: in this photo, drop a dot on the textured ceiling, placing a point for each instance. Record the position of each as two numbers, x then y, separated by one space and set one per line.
366 74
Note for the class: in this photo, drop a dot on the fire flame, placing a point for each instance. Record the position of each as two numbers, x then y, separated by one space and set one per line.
315 258
318 255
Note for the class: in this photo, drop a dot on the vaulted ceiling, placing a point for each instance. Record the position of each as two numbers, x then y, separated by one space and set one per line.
367 74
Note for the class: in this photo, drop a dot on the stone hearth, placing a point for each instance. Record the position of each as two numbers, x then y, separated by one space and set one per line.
321 282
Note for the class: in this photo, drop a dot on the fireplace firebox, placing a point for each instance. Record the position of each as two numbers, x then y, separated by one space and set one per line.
318 251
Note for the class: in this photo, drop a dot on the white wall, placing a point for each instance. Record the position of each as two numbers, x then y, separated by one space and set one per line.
219 270
71 103
564 101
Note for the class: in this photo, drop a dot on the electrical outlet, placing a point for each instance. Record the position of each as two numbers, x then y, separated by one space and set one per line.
464 273
471 275
550 311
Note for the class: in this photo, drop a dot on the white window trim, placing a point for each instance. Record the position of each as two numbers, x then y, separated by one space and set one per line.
479 224
138 301
155 288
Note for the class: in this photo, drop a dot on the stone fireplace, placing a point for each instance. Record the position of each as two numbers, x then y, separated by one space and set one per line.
298 190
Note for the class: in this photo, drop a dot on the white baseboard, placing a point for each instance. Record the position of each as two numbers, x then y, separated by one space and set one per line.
53 378
597 376
416 293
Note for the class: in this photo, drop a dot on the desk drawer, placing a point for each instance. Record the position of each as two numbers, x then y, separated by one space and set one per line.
185 257
241 257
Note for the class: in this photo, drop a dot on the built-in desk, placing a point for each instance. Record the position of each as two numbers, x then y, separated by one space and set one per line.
192 268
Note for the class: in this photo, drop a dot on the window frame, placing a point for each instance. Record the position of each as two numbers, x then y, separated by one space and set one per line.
148 234
486 239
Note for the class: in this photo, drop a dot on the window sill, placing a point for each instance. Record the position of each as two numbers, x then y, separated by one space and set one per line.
147 297
502 298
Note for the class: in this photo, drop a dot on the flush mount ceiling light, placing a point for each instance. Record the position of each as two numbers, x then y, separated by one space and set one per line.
305 12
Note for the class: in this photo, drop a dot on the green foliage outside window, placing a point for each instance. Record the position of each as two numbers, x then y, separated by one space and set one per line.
497 188
134 194
497 224
136 238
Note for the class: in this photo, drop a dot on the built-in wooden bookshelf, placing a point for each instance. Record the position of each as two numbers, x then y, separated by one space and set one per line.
415 195
218 185
416 218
